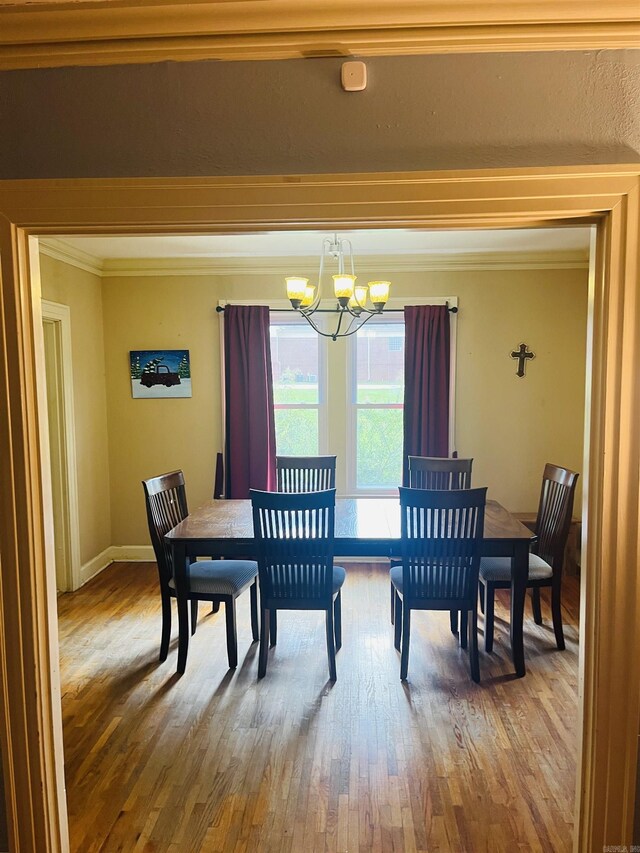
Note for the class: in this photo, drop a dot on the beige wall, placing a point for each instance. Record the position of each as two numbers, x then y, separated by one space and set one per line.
511 426
82 292
245 118
149 437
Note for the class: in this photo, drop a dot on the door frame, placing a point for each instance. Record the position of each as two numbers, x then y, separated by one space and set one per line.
60 315
39 35
608 196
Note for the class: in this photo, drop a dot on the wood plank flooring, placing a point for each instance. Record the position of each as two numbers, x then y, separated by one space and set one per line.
217 761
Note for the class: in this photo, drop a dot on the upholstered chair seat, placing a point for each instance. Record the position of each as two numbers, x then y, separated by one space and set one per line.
546 560
499 569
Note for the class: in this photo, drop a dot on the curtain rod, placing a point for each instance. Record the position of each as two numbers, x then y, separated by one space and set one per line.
452 310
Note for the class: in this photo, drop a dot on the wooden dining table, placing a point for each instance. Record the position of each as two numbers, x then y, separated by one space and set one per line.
364 527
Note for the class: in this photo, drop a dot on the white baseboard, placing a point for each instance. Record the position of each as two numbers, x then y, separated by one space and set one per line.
132 553
95 566
115 553
144 554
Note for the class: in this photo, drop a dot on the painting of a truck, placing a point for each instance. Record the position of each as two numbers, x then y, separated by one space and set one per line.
160 373
160 376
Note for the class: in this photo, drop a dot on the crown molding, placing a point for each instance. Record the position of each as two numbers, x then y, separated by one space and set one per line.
57 249
61 32
377 264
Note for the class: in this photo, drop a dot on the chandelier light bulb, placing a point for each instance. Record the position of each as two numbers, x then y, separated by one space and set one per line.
309 296
379 293
359 299
296 289
343 287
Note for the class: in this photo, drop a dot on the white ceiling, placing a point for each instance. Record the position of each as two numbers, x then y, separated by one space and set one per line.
306 243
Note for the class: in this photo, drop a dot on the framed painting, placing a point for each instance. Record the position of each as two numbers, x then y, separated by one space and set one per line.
160 373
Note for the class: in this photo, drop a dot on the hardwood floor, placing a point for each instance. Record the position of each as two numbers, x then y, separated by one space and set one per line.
217 761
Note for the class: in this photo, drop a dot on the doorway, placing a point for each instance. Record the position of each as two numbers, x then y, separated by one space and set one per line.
607 195
56 330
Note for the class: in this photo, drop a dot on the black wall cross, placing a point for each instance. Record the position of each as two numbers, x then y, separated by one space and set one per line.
522 355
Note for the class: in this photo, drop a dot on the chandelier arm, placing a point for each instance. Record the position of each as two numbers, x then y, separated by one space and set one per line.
337 334
353 272
314 326
351 331
315 305
332 335
365 311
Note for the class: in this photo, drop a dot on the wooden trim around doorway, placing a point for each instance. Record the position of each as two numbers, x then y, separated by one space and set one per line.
57 33
61 316
30 719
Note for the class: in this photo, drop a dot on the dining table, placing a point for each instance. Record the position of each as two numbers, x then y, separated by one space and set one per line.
364 527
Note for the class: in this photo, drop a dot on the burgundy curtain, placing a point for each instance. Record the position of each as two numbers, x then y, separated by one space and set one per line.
426 382
250 423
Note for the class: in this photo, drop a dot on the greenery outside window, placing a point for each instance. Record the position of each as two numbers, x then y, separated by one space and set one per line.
376 395
298 387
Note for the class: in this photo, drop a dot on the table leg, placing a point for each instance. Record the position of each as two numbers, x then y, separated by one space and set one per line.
519 575
179 570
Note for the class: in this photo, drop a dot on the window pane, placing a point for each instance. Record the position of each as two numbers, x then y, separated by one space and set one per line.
380 363
294 360
379 448
297 432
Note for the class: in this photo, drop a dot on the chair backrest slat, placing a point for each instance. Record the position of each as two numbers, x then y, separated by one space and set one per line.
434 472
294 536
166 503
305 473
554 513
441 535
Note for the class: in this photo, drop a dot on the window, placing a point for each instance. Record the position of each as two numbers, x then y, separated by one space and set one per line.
297 393
344 397
377 393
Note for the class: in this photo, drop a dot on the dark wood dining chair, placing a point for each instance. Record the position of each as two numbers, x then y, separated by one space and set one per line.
305 473
217 581
435 472
294 535
546 558
302 474
438 472
441 536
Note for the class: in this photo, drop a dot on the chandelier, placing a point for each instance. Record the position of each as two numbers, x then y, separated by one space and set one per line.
352 309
